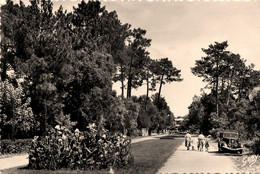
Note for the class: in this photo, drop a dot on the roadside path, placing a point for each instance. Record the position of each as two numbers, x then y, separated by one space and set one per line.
23 159
14 161
183 161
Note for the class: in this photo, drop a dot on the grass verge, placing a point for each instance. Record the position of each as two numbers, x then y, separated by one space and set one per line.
149 156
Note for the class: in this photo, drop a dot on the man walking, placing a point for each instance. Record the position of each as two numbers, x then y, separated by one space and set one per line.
187 140
201 139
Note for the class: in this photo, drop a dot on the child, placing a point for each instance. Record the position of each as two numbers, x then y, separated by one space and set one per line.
192 142
207 143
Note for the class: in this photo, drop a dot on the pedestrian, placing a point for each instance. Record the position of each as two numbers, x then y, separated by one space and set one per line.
187 140
201 140
207 143
192 142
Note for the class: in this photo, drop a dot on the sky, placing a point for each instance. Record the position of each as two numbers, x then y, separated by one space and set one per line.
179 29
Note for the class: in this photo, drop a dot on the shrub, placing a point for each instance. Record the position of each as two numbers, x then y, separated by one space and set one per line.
256 147
79 150
15 146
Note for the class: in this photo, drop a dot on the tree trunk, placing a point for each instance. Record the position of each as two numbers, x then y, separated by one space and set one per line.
159 94
228 96
147 92
217 78
129 84
229 87
4 69
241 88
122 81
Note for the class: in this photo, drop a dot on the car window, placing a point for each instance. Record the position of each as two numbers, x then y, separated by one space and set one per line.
230 135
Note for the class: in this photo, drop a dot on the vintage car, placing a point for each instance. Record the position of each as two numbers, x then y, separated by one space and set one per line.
229 142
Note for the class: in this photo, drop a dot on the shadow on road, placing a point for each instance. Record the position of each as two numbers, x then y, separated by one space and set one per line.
217 153
185 150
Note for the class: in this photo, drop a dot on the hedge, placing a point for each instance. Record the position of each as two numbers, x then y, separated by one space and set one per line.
79 150
15 146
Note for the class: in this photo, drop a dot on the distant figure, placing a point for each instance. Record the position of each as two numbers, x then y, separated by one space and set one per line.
207 143
187 140
192 143
201 140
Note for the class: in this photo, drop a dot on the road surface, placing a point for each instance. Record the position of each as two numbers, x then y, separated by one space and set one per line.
14 161
183 161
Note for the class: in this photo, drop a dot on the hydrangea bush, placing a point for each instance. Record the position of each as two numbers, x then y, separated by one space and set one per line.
62 148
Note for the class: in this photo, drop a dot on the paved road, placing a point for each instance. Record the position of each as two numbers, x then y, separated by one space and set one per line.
14 161
23 160
183 161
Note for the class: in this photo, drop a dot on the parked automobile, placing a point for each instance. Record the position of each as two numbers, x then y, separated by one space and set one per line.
229 142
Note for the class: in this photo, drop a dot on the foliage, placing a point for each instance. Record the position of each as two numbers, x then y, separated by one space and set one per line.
67 62
149 157
79 150
256 147
147 112
17 118
132 60
232 102
115 119
165 72
150 116
208 67
137 58
196 112
165 118
15 146
130 118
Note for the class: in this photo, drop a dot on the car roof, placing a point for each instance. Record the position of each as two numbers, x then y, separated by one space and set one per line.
230 135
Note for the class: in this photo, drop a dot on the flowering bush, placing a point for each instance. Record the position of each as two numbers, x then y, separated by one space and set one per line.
79 150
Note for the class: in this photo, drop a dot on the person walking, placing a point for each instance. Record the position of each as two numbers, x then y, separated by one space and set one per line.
192 143
187 140
201 140
207 143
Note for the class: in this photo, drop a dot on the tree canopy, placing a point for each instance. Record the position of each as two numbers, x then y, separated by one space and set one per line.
230 103
65 64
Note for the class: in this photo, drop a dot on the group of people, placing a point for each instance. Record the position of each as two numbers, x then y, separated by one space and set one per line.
201 142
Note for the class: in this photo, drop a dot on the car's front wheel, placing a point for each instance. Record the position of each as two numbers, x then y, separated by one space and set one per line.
240 152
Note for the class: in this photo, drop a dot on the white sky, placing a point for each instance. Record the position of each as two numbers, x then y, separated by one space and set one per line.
180 29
